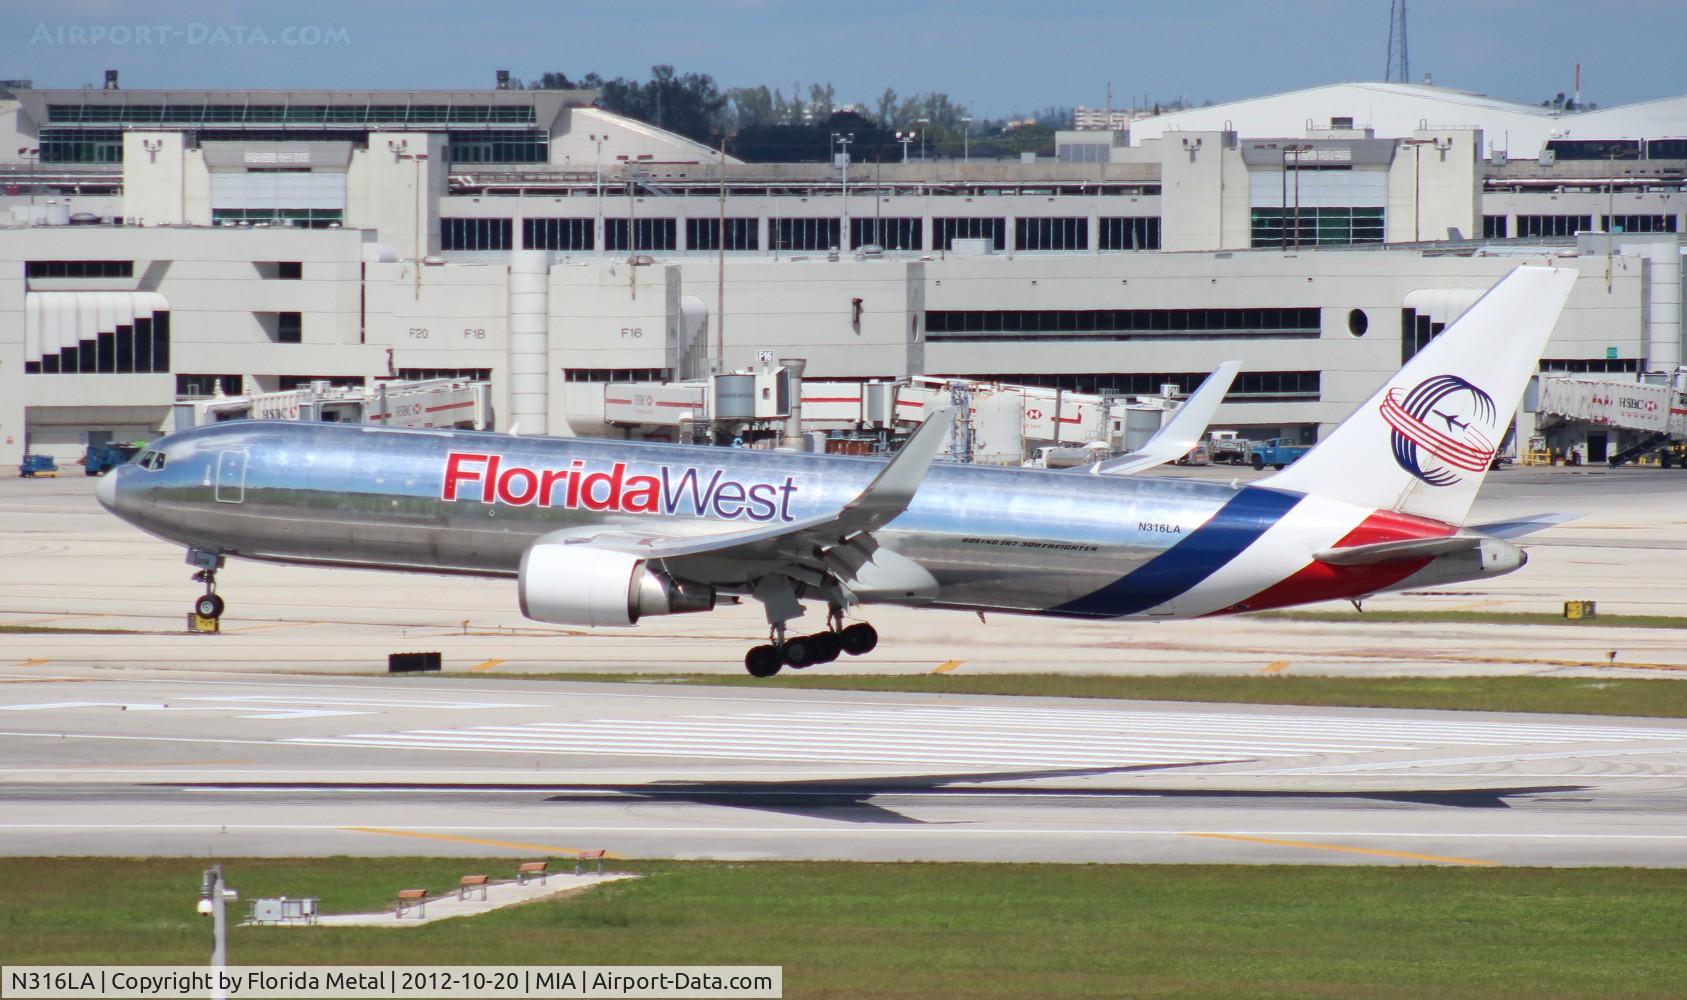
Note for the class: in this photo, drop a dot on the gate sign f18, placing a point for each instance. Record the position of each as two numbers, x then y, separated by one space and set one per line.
1617 404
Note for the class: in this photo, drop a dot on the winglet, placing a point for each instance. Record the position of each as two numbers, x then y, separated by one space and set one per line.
892 490
1179 434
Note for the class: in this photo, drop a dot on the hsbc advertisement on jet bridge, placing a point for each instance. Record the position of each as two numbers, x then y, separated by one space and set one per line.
1617 404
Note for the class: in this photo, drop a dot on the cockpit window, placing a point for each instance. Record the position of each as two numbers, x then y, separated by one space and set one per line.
153 460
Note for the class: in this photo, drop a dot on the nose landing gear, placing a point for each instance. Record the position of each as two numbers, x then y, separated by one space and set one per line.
209 605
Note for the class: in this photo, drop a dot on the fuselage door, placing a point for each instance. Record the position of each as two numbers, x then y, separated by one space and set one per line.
231 477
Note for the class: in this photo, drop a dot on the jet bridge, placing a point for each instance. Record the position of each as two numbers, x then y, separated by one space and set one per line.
1651 416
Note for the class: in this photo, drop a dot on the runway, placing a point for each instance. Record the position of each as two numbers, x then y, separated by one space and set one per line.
149 763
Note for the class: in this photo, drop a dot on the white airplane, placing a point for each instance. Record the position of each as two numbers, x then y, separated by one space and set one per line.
603 533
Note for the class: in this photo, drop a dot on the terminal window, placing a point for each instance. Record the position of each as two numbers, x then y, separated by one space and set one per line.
190 386
1494 227
1416 332
704 234
140 346
283 327
295 218
994 326
475 234
1131 233
80 269
422 374
498 146
1051 234
1553 225
620 374
556 234
1249 387
1311 227
892 234
63 145
1638 223
649 234
944 232
805 234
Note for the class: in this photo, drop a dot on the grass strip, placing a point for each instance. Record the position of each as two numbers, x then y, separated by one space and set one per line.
928 930
1640 697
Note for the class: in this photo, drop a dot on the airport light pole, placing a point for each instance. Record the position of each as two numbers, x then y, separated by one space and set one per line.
905 138
966 140
924 124
1296 148
401 151
597 170
1441 146
33 155
842 141
214 894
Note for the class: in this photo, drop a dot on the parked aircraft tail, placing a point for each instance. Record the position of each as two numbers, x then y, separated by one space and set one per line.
1422 444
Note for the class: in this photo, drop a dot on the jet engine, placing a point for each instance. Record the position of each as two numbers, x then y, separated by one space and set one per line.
582 584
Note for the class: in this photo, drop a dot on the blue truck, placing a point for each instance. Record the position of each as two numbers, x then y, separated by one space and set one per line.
1276 452
102 458
38 465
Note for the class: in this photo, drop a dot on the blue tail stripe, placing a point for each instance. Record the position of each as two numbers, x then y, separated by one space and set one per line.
1237 525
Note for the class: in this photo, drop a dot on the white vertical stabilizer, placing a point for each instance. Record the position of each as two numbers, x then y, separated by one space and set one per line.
1423 443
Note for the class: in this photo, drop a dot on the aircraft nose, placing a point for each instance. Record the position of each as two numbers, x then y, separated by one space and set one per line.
105 491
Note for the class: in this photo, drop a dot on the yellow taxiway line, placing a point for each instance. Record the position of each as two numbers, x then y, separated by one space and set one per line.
485 665
948 666
514 845
1276 667
1344 849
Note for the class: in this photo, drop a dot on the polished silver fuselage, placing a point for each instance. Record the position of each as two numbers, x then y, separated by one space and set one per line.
1008 539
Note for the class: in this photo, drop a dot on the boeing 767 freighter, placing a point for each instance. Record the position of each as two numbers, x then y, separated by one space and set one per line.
599 532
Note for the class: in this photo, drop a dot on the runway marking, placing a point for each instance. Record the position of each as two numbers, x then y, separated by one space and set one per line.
1275 667
477 841
857 830
948 666
486 665
58 618
1450 761
1344 849
265 625
994 736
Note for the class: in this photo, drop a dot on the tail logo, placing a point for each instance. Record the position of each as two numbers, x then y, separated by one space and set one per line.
1440 428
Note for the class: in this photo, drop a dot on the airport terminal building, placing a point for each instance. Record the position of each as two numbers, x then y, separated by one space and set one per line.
159 245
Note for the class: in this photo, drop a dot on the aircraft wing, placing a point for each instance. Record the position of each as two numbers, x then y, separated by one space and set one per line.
1517 527
886 497
1181 433
1410 548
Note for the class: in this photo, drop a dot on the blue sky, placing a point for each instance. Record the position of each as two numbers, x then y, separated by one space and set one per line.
1000 56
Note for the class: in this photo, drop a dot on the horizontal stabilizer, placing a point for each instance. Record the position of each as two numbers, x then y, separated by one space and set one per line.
1517 527
1411 548
1179 434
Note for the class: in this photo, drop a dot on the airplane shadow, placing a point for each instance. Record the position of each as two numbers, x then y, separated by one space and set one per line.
852 799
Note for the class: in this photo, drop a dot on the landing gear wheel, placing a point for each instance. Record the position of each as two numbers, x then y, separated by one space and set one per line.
859 639
827 646
800 652
763 661
208 606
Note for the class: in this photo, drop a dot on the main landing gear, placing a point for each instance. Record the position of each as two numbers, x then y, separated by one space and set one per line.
802 651
210 604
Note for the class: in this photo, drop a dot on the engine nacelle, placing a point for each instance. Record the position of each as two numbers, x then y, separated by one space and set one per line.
582 584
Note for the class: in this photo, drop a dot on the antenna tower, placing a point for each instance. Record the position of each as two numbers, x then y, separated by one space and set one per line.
1397 43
